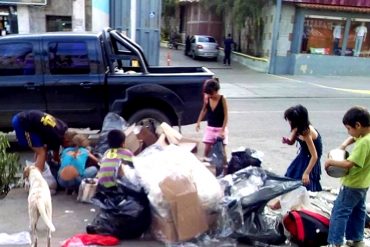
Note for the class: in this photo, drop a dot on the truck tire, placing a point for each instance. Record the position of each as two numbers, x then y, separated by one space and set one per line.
149 118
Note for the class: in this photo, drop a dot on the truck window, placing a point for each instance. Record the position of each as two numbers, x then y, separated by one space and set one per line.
125 60
16 59
68 58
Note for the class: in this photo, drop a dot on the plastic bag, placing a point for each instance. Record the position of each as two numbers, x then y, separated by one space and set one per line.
256 225
111 121
20 238
295 199
125 211
80 240
48 176
87 190
242 159
217 156
260 227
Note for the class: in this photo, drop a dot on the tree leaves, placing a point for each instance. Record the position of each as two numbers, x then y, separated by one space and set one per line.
9 166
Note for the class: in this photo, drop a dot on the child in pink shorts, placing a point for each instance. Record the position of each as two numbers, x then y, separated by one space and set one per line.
214 110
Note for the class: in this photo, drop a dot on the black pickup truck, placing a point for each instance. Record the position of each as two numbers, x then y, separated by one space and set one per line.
79 77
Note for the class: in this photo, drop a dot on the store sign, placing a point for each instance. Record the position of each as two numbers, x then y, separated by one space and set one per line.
29 2
348 3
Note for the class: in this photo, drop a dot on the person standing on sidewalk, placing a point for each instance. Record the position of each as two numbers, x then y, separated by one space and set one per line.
228 42
41 132
349 212
216 112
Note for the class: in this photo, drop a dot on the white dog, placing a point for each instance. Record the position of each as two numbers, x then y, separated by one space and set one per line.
39 202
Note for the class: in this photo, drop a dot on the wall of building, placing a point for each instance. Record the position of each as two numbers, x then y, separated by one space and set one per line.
23 19
268 20
200 21
286 30
32 19
100 15
78 15
306 64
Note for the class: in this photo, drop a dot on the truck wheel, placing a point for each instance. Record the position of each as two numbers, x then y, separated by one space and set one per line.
148 117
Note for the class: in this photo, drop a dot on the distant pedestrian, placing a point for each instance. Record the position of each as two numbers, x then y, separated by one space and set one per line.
215 111
306 166
41 132
187 45
348 215
228 42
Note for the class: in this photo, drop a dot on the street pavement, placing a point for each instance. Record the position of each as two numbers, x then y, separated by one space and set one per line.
237 82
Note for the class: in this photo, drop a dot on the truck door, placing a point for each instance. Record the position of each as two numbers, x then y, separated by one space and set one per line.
74 88
20 79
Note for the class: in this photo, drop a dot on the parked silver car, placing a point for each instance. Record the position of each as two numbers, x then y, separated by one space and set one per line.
203 46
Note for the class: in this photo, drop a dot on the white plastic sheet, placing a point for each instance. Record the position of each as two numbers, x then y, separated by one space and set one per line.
20 238
156 165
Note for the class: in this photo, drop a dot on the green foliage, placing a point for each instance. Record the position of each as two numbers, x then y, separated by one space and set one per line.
242 10
169 7
9 166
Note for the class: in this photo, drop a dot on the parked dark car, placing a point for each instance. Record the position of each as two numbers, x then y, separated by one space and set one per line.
81 77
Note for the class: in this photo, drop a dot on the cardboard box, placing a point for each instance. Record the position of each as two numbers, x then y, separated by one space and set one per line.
189 144
163 229
132 142
186 210
172 135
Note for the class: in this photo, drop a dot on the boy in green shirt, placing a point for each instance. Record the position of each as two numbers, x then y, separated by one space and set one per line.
349 211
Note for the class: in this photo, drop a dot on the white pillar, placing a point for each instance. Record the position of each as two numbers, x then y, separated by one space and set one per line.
99 15
78 15
133 20
23 19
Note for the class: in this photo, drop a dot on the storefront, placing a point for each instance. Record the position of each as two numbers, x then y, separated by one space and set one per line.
329 38
8 19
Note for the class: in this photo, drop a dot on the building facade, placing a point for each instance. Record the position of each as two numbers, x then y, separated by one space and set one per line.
33 16
323 37
194 19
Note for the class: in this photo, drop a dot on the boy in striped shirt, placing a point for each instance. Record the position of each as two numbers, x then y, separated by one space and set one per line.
116 155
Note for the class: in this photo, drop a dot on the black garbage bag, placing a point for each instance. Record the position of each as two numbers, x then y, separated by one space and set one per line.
242 159
111 121
218 157
125 211
261 228
256 226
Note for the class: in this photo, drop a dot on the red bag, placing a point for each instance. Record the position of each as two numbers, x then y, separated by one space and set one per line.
88 239
307 228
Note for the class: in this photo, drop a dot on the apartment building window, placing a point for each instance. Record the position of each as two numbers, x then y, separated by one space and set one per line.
58 23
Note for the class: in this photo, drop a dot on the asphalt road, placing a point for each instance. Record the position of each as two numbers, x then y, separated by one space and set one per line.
256 105
257 102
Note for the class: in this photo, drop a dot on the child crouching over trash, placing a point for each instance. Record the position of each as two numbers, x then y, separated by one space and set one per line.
73 162
112 159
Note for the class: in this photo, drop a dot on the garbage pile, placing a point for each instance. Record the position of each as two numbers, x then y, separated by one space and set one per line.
177 197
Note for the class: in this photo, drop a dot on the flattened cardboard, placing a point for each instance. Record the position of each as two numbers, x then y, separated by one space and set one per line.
172 135
189 144
186 210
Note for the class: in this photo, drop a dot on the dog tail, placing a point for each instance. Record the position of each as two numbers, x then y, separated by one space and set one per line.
44 216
